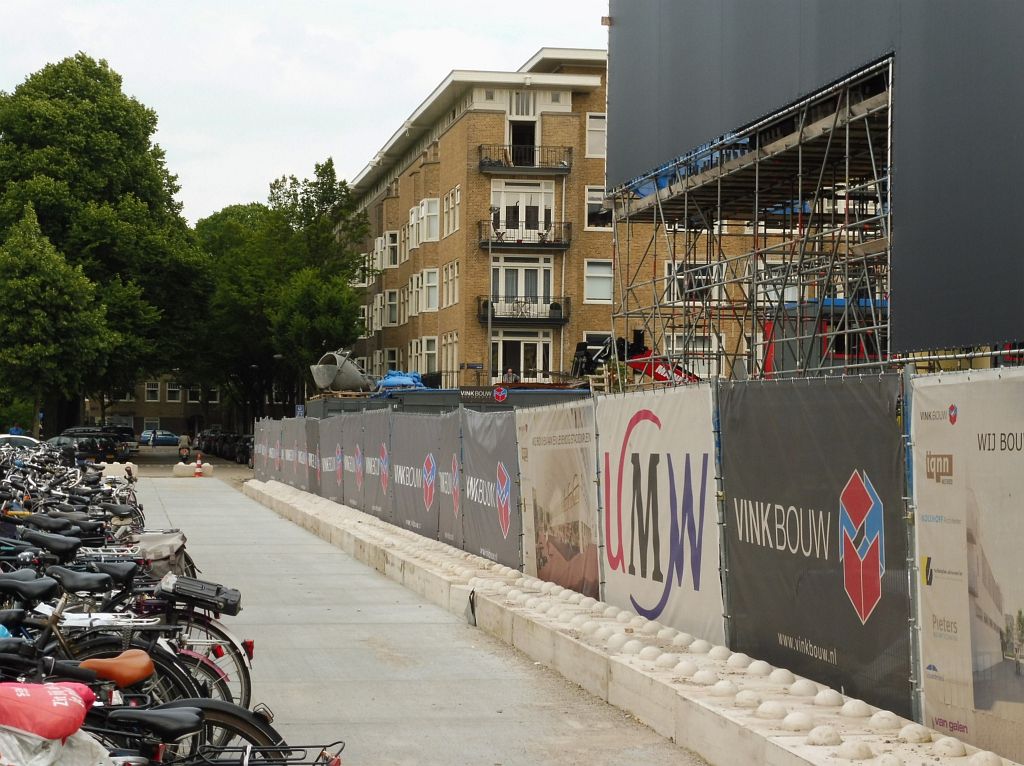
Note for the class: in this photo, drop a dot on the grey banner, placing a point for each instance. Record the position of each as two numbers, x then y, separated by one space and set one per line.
376 463
293 442
275 450
493 520
816 540
260 433
313 467
449 479
415 456
352 449
332 459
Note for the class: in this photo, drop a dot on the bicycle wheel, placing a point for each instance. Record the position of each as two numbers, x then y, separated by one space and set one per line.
227 730
211 680
211 640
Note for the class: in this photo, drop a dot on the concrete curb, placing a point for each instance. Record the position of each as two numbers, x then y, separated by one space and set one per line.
724 706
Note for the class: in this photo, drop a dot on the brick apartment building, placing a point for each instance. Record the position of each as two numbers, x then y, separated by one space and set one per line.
489 200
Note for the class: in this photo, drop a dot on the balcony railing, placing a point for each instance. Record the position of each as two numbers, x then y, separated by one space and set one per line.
519 309
504 159
556 236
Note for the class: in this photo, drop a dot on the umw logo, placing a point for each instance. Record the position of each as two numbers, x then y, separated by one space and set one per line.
862 544
359 467
503 495
686 517
455 484
429 480
384 467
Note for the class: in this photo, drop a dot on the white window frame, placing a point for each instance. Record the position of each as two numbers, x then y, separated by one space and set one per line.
194 395
430 219
378 362
152 390
414 227
403 305
173 392
214 395
378 311
704 366
428 353
415 287
414 355
365 323
431 290
391 359
593 119
593 195
362 277
456 205
675 288
390 308
391 257
587 276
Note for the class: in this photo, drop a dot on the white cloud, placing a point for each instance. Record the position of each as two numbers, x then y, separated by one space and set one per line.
248 91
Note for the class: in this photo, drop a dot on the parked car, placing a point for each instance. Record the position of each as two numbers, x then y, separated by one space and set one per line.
163 438
105 446
17 440
125 434
243 450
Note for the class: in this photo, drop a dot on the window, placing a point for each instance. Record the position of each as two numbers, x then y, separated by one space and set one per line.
153 391
174 392
456 207
524 208
446 217
194 395
597 282
429 347
362 276
378 362
697 356
429 220
596 135
378 311
597 216
391 245
391 358
403 305
363 323
214 396
429 302
403 243
415 285
361 363
414 355
414 227
378 253
675 281
450 360
450 284
390 308
128 396
693 283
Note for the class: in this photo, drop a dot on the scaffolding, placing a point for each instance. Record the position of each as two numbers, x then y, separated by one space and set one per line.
765 253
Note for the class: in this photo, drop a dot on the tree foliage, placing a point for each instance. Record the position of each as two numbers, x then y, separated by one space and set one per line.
80 151
55 330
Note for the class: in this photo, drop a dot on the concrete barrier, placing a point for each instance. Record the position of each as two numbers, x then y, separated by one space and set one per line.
725 706
118 469
188 470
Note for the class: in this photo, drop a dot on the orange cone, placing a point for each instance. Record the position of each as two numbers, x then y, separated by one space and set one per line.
199 466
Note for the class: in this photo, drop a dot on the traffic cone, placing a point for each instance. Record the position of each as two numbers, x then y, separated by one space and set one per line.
199 466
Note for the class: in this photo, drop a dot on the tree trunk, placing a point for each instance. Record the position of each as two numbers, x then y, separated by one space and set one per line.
37 398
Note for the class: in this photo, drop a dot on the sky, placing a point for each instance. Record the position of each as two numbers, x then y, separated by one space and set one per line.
248 91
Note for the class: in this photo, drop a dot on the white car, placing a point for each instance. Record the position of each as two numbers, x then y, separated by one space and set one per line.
18 440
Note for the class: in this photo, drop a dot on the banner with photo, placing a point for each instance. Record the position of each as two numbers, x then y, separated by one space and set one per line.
332 458
293 438
816 541
492 522
968 465
660 525
376 463
414 469
558 465
313 467
352 451
449 479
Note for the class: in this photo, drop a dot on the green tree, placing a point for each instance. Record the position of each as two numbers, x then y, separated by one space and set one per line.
80 150
54 328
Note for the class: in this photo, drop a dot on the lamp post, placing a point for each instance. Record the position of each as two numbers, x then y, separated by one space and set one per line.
490 292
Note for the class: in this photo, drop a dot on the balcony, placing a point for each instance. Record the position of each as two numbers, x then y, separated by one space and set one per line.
556 236
515 159
523 310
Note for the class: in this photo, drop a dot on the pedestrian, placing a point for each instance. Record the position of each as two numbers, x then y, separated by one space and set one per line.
510 377
16 430
184 447
152 438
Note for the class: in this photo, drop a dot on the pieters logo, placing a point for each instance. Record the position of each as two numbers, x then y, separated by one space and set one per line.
686 516
862 544
939 467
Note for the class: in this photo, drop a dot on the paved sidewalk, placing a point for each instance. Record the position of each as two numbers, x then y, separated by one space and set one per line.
344 653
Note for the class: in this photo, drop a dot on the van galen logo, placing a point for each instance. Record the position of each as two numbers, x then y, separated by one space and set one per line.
644 517
504 499
429 480
862 544
939 467
384 467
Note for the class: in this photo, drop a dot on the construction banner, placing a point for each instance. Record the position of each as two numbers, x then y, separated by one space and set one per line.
293 438
415 441
352 451
332 458
660 525
313 467
376 463
449 479
260 448
968 465
816 542
492 523
557 464
275 450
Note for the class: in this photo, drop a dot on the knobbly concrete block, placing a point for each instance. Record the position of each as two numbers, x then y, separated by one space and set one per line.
582 664
648 699
533 638
494 617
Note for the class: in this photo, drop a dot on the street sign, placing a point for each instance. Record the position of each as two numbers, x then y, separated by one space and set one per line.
300 410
